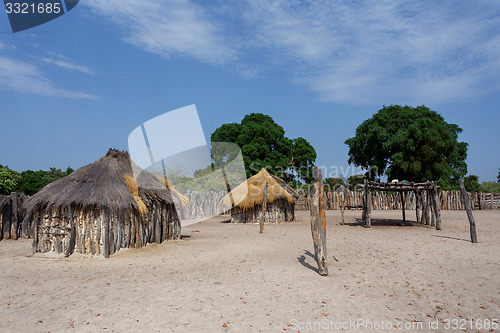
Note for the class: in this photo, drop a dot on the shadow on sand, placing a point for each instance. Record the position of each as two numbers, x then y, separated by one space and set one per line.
302 260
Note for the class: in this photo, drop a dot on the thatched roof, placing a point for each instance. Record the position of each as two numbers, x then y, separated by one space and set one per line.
251 192
108 182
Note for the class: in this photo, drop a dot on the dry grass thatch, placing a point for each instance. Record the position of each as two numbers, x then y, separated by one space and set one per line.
103 184
134 189
251 192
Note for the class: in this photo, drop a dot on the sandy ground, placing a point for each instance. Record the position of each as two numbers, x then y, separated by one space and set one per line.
223 277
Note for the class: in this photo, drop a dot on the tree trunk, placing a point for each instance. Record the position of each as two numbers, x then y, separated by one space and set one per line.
473 236
318 222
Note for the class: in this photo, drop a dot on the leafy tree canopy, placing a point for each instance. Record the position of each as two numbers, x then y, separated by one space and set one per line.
498 177
490 187
332 184
451 184
263 144
9 180
355 180
407 143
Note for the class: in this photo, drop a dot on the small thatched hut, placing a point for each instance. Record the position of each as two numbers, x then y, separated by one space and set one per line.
101 208
249 196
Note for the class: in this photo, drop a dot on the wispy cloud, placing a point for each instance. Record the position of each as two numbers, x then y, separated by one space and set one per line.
173 27
24 77
66 64
353 52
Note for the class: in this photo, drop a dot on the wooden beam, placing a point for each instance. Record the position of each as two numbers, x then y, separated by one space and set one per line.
465 197
318 222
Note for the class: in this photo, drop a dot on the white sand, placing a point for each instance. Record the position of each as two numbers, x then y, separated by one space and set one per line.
224 277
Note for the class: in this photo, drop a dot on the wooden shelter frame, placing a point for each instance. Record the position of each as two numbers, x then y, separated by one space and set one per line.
427 201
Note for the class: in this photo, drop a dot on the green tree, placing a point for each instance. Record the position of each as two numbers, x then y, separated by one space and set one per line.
33 181
9 180
407 143
354 181
451 184
490 187
331 184
498 177
264 145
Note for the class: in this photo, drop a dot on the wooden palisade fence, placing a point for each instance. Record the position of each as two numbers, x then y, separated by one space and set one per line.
448 200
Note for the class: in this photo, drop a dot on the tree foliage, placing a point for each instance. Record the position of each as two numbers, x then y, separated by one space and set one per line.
264 145
28 182
498 177
9 180
407 143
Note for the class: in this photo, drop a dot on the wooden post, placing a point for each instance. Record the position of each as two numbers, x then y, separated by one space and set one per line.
417 205
105 232
318 222
72 237
437 208
264 209
14 230
6 218
342 208
368 201
473 236
403 206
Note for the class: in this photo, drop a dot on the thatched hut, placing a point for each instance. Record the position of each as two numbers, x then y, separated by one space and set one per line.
246 200
101 208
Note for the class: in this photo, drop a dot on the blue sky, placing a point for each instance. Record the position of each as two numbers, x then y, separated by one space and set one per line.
76 86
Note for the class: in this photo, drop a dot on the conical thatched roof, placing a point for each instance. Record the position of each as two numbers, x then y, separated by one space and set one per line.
251 192
108 182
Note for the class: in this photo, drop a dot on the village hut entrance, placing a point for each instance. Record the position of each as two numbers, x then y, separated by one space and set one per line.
426 200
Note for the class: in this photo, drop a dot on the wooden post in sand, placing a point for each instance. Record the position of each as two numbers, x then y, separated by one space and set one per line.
437 209
473 236
403 206
342 208
367 205
264 209
318 222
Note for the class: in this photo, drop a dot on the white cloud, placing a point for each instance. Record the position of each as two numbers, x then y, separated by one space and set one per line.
352 52
24 77
174 27
66 64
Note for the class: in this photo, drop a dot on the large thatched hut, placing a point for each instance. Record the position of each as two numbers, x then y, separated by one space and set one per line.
246 200
101 208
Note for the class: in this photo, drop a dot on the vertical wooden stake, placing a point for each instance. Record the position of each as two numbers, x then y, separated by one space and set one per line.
342 208
368 203
417 205
318 222
71 245
105 232
403 206
264 209
465 197
437 208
